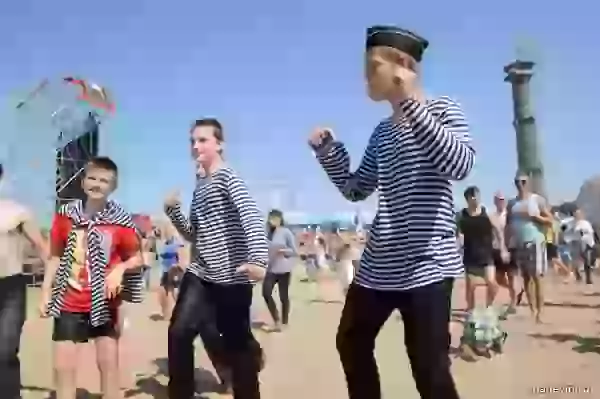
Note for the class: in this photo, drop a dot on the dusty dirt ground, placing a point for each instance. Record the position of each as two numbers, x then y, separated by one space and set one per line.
559 359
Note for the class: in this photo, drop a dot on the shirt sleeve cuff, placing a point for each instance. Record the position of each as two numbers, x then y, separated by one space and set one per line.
323 151
257 263
172 209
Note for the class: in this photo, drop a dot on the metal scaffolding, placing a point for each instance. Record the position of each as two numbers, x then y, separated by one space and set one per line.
72 155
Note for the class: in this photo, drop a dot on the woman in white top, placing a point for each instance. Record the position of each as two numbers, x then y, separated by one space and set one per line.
582 243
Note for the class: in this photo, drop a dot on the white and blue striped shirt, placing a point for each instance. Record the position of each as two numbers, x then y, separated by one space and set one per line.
411 163
225 228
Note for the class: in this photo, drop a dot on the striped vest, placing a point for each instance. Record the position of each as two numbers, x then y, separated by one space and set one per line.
133 284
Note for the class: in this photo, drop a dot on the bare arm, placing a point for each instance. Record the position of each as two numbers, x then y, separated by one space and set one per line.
33 233
130 250
545 217
460 238
50 274
57 241
133 263
507 226
501 239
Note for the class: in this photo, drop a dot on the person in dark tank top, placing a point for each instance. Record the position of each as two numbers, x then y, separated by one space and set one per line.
477 231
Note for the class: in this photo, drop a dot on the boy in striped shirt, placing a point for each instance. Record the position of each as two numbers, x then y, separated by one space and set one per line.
230 252
411 253
95 264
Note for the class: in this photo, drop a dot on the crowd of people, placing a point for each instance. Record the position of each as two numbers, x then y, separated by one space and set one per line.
519 238
95 258
324 255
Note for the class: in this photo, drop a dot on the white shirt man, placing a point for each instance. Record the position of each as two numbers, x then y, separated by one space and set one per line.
584 233
16 225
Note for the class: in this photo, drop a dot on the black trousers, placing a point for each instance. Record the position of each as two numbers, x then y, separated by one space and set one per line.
425 312
221 315
12 317
283 287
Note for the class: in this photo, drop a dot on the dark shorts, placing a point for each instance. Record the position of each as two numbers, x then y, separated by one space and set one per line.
171 279
551 251
476 263
501 265
476 270
531 259
76 327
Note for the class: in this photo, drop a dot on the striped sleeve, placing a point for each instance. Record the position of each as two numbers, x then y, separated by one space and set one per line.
251 221
356 186
445 139
181 222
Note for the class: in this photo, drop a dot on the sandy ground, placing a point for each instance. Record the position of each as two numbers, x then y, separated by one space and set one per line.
559 359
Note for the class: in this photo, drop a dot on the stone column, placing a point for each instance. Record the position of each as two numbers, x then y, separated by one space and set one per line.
529 157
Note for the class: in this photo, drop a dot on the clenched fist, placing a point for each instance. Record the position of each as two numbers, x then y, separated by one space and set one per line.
254 272
319 137
173 199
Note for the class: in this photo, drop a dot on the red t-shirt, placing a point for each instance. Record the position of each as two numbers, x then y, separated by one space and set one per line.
123 243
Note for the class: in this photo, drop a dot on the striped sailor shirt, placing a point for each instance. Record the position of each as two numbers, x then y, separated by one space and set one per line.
225 228
411 162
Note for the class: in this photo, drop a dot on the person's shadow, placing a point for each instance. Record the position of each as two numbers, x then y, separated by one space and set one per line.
156 317
582 344
573 305
50 394
150 385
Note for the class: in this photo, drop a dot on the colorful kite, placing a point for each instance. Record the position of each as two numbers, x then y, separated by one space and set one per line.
68 104
95 95
91 93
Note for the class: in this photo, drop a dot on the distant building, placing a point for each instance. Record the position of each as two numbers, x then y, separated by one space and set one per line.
341 220
71 158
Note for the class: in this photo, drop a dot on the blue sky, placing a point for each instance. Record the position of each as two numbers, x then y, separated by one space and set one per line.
272 70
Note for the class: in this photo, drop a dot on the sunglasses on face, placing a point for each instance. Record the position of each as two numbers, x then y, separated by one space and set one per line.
521 182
